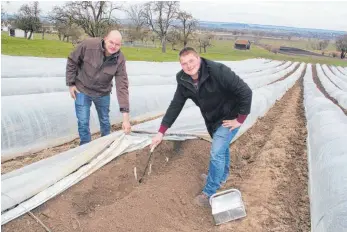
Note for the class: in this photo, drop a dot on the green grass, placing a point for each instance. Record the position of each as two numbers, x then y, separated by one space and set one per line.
303 44
221 50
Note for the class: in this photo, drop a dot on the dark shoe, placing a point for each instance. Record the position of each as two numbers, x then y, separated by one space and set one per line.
202 200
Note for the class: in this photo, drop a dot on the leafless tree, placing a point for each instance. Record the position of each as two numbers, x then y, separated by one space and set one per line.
341 45
188 26
320 44
173 37
28 18
160 17
135 15
94 17
205 41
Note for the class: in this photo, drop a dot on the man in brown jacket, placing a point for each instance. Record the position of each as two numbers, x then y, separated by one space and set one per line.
89 73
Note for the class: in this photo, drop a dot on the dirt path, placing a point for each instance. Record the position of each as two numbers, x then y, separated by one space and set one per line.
270 171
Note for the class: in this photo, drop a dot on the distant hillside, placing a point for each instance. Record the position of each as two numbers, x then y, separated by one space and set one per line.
281 30
295 31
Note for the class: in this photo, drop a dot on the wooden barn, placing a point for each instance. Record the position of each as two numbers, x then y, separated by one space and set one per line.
242 44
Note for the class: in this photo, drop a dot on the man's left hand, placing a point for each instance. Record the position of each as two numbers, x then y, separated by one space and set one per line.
232 124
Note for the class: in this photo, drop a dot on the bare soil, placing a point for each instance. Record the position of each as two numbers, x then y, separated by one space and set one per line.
269 167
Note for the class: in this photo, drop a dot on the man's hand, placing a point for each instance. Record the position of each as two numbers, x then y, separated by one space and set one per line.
157 139
232 124
73 91
126 123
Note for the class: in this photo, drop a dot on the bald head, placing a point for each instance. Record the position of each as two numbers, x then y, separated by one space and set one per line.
113 42
114 34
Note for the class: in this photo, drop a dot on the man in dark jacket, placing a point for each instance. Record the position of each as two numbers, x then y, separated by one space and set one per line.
89 73
224 100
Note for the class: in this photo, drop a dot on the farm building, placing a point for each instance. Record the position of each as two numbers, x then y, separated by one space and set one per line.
242 44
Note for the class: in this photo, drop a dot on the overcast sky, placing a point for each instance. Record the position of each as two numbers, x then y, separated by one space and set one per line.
306 14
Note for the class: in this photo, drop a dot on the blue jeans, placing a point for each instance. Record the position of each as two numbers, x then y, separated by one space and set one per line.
83 103
219 166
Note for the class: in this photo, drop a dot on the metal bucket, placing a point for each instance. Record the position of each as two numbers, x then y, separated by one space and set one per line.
227 206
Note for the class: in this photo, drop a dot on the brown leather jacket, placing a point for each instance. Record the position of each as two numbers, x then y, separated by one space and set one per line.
92 72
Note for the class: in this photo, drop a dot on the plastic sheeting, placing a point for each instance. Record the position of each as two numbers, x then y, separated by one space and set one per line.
332 90
338 73
343 70
327 156
28 187
257 82
33 122
55 67
268 71
342 84
35 85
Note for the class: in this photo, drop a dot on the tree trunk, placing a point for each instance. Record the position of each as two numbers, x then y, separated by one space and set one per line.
204 49
200 48
59 36
67 38
163 42
185 42
25 34
43 34
31 33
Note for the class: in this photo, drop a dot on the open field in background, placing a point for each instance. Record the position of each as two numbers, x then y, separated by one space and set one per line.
221 50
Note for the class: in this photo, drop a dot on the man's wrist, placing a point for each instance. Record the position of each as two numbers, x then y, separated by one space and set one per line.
162 129
126 117
241 118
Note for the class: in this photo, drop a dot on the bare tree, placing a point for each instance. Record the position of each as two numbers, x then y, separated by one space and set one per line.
205 41
28 18
341 45
160 17
320 44
93 17
173 37
135 15
188 26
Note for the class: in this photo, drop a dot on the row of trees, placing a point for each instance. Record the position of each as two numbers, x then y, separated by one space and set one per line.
151 20
148 21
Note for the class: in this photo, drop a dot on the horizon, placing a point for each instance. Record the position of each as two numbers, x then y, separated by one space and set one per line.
322 15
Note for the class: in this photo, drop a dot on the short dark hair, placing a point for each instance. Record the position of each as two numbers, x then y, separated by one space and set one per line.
187 50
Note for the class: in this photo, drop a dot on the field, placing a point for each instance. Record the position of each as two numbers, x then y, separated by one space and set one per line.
221 50
274 158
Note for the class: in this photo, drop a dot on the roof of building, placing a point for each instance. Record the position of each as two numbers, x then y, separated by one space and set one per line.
242 42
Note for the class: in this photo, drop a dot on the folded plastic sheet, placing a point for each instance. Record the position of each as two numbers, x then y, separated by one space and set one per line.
34 122
327 156
23 189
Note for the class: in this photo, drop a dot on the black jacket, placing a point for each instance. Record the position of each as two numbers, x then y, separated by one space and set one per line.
221 95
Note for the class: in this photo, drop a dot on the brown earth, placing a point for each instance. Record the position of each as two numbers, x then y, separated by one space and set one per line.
269 167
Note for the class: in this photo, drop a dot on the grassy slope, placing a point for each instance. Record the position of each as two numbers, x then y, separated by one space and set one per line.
221 50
